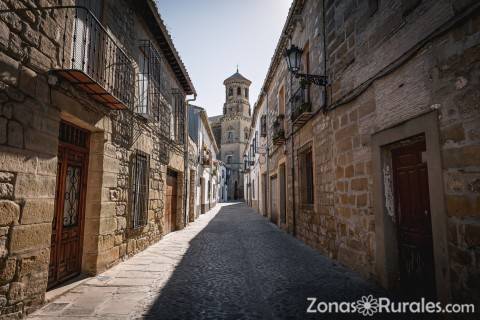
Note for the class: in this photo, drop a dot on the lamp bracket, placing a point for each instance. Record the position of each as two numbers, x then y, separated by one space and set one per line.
313 78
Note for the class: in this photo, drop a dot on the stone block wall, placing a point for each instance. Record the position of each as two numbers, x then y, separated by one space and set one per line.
32 104
387 65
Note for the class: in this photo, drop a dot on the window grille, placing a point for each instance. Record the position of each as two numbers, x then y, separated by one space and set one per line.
140 183
263 125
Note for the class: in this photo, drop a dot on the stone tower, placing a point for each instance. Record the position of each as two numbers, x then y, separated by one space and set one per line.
235 126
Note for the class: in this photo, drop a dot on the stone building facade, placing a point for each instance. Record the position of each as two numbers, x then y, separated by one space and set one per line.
382 165
92 140
232 130
207 181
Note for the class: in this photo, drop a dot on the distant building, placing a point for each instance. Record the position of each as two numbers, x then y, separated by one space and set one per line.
206 175
231 130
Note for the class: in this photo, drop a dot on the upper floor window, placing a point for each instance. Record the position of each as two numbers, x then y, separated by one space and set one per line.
230 92
229 159
177 120
263 125
239 91
246 92
306 176
281 100
246 133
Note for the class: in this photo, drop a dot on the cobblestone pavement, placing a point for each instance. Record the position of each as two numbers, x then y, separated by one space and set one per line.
229 264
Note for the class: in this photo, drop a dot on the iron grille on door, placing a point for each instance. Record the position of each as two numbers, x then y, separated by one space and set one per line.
140 179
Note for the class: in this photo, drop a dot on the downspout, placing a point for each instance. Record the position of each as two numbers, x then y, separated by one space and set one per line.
185 159
267 205
294 229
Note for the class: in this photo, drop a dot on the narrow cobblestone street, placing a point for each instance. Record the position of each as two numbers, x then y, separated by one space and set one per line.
231 263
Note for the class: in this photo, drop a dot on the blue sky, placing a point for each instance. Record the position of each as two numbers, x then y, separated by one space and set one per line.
213 36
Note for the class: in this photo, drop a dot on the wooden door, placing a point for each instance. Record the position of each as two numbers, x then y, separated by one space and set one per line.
170 218
283 195
67 225
202 195
273 200
412 208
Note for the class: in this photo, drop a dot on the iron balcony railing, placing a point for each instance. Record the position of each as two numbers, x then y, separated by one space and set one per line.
92 59
300 105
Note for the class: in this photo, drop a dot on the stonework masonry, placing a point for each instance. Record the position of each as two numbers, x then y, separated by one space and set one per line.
391 65
33 103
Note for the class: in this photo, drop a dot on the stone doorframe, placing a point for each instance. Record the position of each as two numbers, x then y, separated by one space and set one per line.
385 229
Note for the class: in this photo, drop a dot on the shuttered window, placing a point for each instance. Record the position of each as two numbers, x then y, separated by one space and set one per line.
140 173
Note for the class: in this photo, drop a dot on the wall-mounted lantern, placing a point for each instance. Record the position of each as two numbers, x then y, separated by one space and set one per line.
293 56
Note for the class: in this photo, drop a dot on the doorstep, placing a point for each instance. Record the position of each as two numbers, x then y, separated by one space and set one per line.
63 288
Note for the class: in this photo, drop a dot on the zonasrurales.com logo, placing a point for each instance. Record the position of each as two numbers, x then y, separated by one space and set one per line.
369 305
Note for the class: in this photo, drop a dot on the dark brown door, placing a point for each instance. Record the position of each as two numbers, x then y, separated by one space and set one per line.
412 206
171 202
67 226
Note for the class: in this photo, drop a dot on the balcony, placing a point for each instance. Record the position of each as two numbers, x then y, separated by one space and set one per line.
301 107
278 136
92 61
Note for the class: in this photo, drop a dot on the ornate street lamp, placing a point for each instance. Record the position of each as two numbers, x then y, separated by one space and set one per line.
293 56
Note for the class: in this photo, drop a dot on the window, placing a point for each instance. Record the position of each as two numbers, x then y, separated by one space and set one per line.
281 100
306 176
177 118
246 92
263 125
230 92
239 91
246 133
255 144
143 80
140 172
229 159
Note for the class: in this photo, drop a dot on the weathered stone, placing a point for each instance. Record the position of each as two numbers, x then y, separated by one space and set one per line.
7 270
453 133
6 176
472 235
9 70
359 184
3 130
37 263
15 294
121 223
6 191
118 239
27 80
30 237
35 186
10 212
4 34
39 59
459 206
7 110
37 211
15 134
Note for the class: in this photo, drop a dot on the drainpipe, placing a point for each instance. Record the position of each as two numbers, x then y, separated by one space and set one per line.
267 183
186 170
292 137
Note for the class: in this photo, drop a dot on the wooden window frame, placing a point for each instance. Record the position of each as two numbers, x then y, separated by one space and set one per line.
140 190
306 174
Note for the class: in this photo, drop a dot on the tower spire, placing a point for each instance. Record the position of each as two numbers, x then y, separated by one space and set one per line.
237 67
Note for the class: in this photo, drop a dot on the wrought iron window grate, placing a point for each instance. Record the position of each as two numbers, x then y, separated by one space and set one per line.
73 135
140 183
